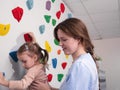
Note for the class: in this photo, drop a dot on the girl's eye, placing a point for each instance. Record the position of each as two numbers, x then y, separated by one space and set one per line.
23 61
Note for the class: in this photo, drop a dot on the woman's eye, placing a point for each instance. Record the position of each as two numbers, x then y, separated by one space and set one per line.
64 39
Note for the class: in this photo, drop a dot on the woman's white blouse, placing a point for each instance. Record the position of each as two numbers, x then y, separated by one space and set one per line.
82 75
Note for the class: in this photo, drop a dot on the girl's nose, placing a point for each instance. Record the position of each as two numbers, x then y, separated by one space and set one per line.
23 65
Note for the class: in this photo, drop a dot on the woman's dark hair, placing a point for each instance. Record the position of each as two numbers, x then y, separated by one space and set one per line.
75 28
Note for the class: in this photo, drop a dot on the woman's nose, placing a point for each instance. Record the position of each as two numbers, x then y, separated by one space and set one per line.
60 43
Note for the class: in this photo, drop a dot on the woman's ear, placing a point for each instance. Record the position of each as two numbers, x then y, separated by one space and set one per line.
79 41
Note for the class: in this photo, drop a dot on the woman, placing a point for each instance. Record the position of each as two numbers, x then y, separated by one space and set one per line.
74 39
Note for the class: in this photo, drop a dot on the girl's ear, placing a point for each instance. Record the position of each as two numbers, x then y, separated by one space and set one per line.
35 57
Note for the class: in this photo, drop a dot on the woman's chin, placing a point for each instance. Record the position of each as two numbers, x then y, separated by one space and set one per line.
66 52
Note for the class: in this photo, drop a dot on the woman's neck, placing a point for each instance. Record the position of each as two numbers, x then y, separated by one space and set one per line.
78 53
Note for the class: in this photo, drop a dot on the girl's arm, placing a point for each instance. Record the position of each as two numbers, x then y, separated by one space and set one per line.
52 88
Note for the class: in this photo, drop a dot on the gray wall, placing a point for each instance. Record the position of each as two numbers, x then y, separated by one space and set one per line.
109 51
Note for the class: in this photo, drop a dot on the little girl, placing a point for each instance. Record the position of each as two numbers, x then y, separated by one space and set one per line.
34 59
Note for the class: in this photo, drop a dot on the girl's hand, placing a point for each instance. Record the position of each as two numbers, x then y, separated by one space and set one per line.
3 81
32 36
1 77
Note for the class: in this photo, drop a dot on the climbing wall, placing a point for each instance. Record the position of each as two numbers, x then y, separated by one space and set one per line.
40 17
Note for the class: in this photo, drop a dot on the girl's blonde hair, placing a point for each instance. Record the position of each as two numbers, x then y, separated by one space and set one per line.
34 48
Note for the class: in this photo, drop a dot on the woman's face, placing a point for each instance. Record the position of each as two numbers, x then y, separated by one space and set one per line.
27 60
68 44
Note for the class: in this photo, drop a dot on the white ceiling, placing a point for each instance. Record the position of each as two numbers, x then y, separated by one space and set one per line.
102 17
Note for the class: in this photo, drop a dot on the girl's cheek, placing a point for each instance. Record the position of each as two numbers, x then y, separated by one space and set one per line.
23 65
